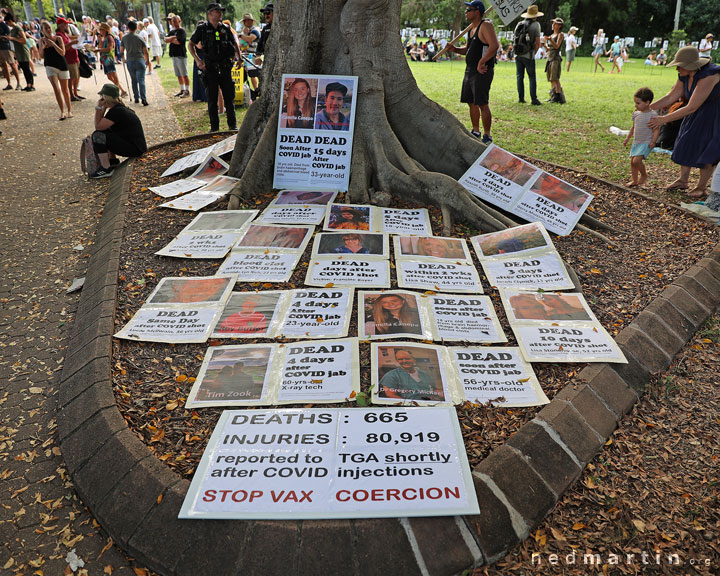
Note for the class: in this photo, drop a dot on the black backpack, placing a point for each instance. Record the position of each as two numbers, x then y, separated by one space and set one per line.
522 43
84 67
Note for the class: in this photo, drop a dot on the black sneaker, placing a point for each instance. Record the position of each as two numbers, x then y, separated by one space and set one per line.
8 87
2 114
476 134
114 162
179 94
29 89
102 173
145 103
521 101
486 139
214 128
536 103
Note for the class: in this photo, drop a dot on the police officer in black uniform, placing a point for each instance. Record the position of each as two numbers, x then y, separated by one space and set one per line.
219 51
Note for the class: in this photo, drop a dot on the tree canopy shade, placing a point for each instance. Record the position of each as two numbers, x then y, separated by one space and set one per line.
394 120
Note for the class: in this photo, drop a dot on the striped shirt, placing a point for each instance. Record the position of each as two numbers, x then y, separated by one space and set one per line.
643 133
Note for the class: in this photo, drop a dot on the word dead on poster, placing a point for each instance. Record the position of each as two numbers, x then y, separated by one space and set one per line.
439 276
523 189
333 463
558 327
329 272
265 374
364 218
466 318
315 132
497 375
298 207
180 310
299 313
542 271
254 266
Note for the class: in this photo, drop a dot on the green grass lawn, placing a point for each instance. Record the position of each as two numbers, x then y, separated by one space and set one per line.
575 134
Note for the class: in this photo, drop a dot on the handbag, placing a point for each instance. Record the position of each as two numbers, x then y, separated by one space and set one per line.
84 67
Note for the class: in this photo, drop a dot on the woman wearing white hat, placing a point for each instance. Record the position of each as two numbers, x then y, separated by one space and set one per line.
698 142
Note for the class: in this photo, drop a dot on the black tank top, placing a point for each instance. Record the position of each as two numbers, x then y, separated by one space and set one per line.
52 58
475 51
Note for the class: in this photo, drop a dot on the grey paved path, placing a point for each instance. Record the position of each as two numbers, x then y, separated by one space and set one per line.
47 208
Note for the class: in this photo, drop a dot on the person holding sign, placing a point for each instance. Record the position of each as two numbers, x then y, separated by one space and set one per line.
479 54
391 314
300 105
408 382
330 118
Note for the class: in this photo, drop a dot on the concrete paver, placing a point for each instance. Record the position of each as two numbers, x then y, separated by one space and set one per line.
48 207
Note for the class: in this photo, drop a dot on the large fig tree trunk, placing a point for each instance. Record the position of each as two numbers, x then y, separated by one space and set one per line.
404 143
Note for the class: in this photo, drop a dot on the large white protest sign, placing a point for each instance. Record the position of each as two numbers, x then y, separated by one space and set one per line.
333 463
558 327
465 318
542 271
508 10
180 310
497 375
200 245
254 266
523 189
439 276
327 271
315 132
318 313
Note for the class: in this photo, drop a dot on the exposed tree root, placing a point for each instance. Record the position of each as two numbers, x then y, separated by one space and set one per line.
594 233
447 220
595 223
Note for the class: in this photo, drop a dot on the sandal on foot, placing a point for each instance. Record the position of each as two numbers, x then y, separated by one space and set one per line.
697 194
675 186
631 184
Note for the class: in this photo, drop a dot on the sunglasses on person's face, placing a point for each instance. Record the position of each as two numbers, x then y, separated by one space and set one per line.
470 9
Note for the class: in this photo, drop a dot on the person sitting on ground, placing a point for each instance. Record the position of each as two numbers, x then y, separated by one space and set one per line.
661 58
650 60
118 130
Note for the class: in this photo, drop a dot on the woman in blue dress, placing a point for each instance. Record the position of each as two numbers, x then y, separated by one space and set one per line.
698 142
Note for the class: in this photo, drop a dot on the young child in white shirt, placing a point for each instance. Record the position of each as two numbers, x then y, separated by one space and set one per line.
644 137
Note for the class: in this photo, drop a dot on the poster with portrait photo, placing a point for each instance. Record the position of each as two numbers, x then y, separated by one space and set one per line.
174 324
200 244
271 237
554 202
543 307
498 177
518 241
232 376
258 266
405 373
305 197
438 276
235 220
460 317
497 375
192 290
321 372
351 244
537 272
292 214
350 217
318 313
299 102
313 150
392 314
210 169
412 221
249 315
431 248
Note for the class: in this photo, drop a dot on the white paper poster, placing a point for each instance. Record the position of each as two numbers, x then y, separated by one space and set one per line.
539 272
315 132
523 189
249 315
410 221
194 201
210 169
509 10
392 314
339 272
520 241
282 214
351 245
259 267
333 463
318 313
431 248
200 245
365 218
189 161
465 318
439 276
497 375
172 189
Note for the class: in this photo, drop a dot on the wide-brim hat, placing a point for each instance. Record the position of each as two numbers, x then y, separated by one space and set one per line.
532 12
709 36
559 21
110 90
248 16
170 16
573 29
688 57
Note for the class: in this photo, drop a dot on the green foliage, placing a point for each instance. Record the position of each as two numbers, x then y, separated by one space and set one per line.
674 42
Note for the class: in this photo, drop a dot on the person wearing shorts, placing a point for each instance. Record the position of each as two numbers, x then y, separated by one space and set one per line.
71 56
7 56
570 47
479 54
52 49
176 38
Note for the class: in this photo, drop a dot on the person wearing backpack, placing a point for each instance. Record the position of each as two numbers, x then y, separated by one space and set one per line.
526 44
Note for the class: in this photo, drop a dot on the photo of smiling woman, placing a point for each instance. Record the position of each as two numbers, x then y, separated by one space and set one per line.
299 107
392 314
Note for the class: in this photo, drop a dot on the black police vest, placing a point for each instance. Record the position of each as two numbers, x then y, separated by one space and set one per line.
218 44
